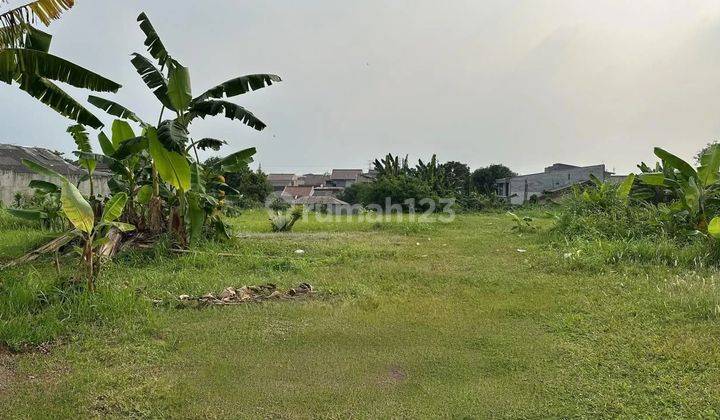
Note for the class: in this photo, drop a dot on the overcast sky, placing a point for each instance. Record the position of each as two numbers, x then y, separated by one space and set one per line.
524 83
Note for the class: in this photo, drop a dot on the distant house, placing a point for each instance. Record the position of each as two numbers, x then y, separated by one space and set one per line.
291 193
280 181
366 177
327 191
553 181
325 204
313 180
15 177
344 177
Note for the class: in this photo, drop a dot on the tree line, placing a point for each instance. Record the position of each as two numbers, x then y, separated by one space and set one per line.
398 181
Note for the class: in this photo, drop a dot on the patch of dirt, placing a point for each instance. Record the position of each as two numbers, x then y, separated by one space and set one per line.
393 376
7 370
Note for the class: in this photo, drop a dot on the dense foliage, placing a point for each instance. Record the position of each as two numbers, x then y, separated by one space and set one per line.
252 187
483 179
668 214
25 60
158 185
424 184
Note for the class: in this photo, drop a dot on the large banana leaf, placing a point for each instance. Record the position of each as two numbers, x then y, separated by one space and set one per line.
81 137
105 144
115 109
625 187
42 170
709 166
114 207
130 147
215 107
196 180
82 141
152 40
691 195
714 228
153 78
44 186
595 180
115 165
15 28
171 166
123 227
197 217
144 194
76 208
51 95
18 62
44 10
173 136
236 161
34 215
675 162
656 179
179 89
209 143
238 86
24 36
121 131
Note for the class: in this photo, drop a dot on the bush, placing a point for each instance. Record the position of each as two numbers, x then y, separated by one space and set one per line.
597 229
481 202
612 219
285 222
397 189
278 204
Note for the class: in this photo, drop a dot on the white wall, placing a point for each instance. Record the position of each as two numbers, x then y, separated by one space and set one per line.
539 183
12 182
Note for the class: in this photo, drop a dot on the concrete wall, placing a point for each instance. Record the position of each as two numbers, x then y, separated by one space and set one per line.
539 183
13 182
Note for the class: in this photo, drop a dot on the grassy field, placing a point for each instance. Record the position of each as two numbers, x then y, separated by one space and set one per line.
412 320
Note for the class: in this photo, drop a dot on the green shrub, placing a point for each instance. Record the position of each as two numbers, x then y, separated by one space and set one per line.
475 201
609 219
398 190
595 229
278 204
285 222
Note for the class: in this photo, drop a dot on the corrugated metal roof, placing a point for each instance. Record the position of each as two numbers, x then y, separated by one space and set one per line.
11 157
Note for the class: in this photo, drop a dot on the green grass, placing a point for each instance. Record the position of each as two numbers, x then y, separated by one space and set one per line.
412 320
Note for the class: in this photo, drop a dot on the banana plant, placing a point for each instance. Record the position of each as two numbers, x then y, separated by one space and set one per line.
79 212
604 192
88 161
25 60
696 189
173 153
206 198
391 166
285 222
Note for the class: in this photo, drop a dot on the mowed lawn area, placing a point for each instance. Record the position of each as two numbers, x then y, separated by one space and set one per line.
414 320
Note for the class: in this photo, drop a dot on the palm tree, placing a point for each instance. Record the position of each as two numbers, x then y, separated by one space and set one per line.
26 61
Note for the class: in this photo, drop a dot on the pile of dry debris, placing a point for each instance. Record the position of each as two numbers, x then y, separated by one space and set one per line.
247 294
